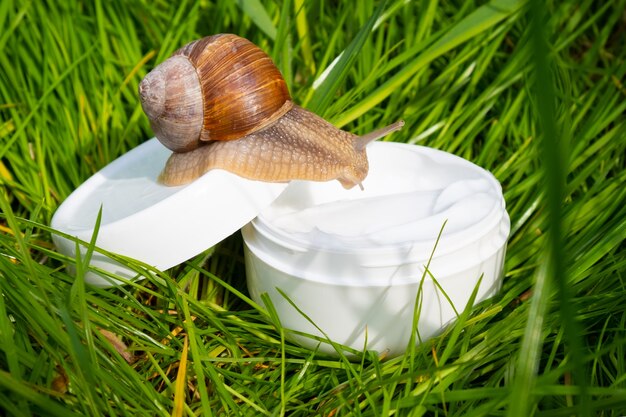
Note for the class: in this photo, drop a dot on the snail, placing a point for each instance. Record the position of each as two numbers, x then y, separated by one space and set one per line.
220 103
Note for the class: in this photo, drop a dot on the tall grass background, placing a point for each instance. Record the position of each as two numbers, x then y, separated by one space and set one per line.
533 91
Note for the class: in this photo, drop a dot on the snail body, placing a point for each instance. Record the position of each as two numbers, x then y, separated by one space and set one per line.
221 103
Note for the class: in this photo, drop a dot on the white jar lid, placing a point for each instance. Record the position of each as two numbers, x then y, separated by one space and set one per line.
159 225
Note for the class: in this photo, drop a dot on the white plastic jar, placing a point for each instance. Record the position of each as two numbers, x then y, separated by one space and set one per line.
354 262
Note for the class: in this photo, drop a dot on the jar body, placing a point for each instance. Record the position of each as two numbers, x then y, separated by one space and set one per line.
380 318
367 270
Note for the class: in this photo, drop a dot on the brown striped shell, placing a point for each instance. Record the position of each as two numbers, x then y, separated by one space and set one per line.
220 103
220 87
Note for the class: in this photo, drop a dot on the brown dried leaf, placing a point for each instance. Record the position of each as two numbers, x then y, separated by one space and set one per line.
119 346
60 381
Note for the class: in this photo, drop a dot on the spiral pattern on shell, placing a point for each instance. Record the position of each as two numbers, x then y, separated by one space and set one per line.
220 87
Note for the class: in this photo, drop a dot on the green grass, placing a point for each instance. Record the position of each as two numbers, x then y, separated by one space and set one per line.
546 114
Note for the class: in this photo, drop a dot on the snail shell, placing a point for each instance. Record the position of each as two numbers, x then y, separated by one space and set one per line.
220 102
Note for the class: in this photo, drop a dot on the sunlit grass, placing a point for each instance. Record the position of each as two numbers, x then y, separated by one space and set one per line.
462 76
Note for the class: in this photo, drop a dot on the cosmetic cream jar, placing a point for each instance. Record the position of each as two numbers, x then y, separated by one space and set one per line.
349 266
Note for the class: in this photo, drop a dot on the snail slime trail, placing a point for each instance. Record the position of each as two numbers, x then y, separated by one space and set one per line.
221 103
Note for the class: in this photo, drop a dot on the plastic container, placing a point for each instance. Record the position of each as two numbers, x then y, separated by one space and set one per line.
354 262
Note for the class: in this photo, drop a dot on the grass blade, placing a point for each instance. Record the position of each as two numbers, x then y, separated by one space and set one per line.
181 382
480 20
257 13
331 80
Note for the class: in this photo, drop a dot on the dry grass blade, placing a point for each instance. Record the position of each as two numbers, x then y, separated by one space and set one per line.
181 382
